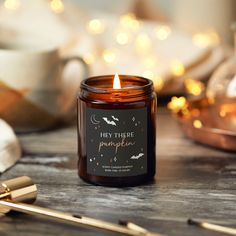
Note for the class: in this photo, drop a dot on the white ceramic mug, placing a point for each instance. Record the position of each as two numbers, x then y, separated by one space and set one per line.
32 86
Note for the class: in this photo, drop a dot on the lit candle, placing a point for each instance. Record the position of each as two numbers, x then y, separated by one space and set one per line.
116 130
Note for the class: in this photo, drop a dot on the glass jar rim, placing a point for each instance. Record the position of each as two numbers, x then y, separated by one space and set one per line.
137 83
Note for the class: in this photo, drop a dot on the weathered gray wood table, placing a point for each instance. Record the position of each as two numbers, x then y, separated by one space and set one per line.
192 181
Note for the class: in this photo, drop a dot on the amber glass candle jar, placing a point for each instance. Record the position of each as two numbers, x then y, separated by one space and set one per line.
117 131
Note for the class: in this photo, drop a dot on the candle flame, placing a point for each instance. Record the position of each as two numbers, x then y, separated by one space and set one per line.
116 82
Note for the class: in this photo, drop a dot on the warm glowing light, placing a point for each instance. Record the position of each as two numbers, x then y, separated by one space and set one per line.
116 82
209 38
177 103
95 26
109 55
89 58
127 18
12 4
194 87
222 113
210 97
214 37
143 43
150 61
197 124
122 38
158 83
148 74
201 40
163 32
129 21
57 6
177 68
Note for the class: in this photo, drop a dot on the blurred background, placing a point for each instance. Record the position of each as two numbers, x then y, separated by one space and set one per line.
189 15
177 44
159 39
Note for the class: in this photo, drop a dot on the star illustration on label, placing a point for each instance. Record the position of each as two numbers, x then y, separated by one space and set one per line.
115 142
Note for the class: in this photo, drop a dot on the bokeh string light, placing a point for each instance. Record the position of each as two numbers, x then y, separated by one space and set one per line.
162 32
206 39
110 55
143 43
129 21
95 26
89 58
129 31
12 4
177 103
194 87
197 124
122 37
158 83
177 68
57 6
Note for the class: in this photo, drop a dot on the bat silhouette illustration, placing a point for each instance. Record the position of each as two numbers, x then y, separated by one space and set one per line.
109 122
137 157
115 118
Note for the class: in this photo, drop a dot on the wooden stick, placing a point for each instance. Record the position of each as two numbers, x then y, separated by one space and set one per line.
133 226
138 228
68 218
214 227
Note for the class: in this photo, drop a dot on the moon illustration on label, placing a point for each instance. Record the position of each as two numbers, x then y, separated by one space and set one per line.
93 120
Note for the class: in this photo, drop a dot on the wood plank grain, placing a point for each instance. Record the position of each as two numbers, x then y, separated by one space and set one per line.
169 137
192 181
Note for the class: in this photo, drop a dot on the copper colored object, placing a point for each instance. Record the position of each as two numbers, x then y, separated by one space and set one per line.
201 124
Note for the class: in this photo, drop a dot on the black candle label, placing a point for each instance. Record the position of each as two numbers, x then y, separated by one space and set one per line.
116 142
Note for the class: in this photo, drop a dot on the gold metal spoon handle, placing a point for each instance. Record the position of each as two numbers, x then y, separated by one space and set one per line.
68 218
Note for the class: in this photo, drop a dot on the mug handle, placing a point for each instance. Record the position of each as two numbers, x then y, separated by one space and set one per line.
68 97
